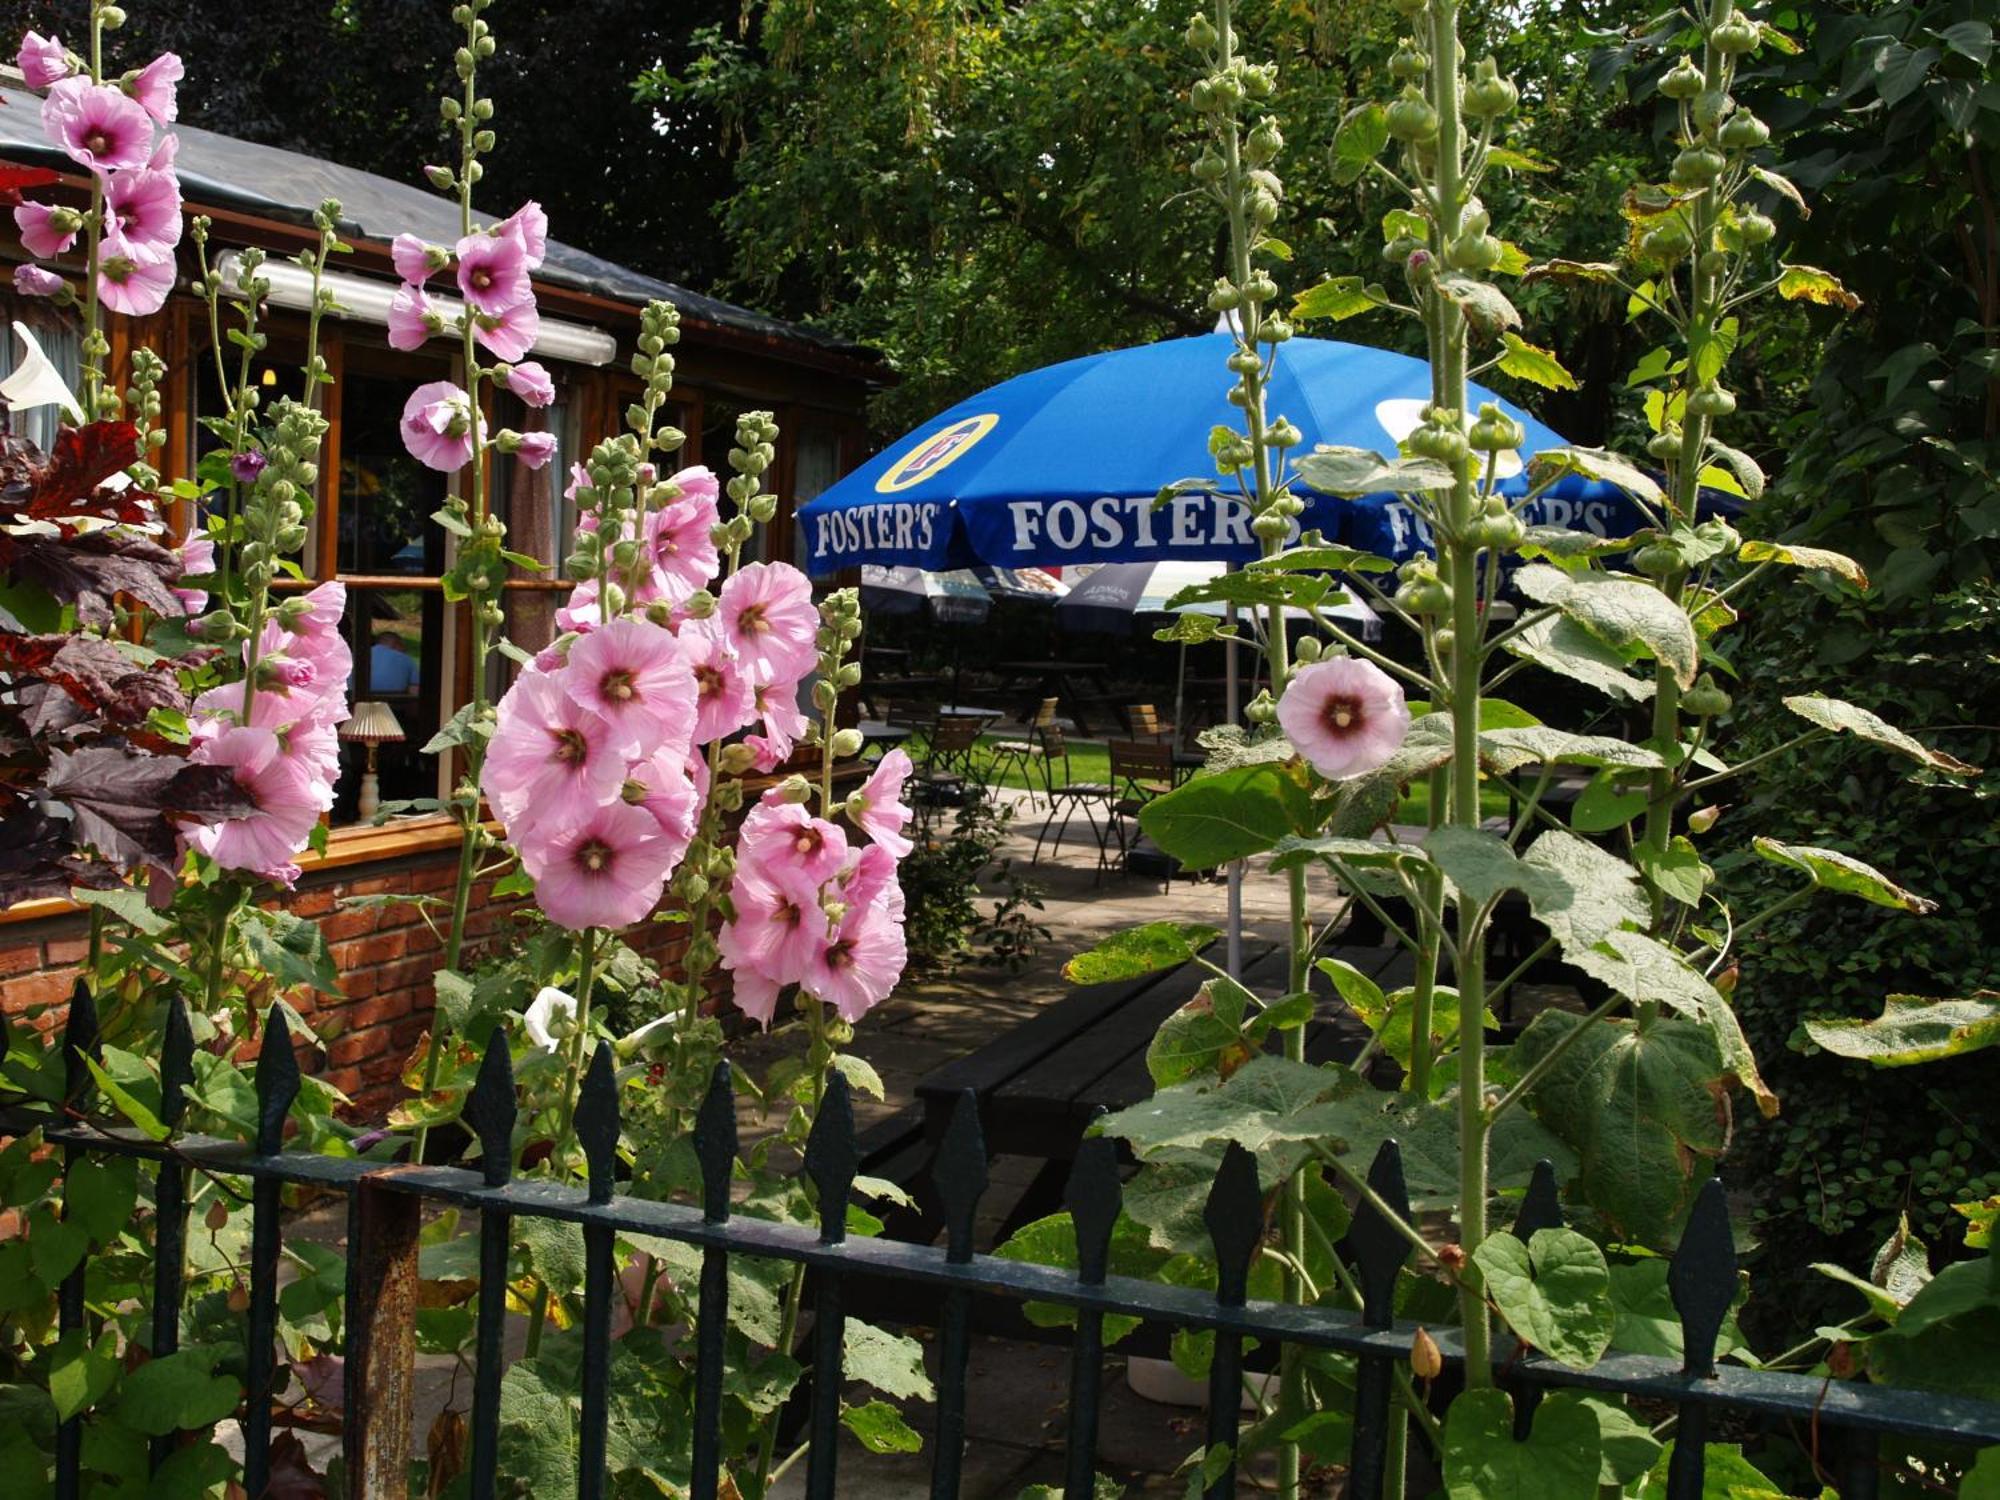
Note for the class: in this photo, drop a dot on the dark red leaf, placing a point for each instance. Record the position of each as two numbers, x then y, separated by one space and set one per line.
208 793
37 859
292 1476
87 571
14 177
39 486
120 798
96 674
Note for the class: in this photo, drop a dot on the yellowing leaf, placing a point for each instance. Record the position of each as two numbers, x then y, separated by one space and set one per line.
1524 361
1811 284
1806 557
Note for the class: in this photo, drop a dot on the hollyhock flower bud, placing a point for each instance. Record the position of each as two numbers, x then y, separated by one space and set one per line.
737 760
548 1017
1345 716
878 809
153 86
416 262
37 281
529 381
43 61
535 448
244 467
46 230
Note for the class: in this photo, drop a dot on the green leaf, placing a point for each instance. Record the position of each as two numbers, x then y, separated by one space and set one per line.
1516 161
1052 1242
1749 474
1212 820
1554 1291
1320 558
1252 590
1505 750
1360 137
1647 1321
454 1000
1338 298
860 1075
80 1376
127 1103
1565 648
880 1428
1361 471
1642 1103
1623 612
1627 1447
1595 463
1483 865
1192 1040
124 902
1726 1475
1600 892
1482 1461
1526 362
291 950
554 1251
891 1362
1820 558
1134 951
99 1194
1811 284
55 1246
1914 1029
1268 1102
177 1393
1678 870
1601 272
1843 873
1849 718
1485 306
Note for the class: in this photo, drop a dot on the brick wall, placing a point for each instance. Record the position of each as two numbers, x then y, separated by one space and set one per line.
385 955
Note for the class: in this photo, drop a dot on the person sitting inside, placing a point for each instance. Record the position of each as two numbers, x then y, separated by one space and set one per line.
391 668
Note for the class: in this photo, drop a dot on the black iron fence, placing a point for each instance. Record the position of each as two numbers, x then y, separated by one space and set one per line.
384 1214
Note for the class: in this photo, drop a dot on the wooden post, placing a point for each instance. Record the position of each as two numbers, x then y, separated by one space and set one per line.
380 1385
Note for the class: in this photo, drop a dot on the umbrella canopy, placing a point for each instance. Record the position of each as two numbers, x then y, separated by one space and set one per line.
1110 597
1061 465
951 598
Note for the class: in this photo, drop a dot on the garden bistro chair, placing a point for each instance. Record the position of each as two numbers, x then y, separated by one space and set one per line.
1029 753
1140 771
1073 796
1145 723
947 765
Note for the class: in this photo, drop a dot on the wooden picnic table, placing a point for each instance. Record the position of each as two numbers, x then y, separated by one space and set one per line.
1040 1084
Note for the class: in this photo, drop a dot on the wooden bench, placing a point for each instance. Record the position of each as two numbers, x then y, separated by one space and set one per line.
1040 1084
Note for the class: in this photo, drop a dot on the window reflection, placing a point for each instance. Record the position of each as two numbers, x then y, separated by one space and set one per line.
386 496
397 637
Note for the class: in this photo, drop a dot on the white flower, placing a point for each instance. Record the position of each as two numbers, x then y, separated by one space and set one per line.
543 1012
649 1033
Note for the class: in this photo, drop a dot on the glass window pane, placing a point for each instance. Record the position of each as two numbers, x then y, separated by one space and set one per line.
817 464
386 496
397 636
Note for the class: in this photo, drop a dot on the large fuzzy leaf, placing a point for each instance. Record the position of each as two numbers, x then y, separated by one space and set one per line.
1645 1106
1844 873
1913 1029
1554 1290
1849 718
1484 1461
1625 613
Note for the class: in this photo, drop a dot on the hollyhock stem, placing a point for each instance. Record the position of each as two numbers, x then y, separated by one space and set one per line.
538 1316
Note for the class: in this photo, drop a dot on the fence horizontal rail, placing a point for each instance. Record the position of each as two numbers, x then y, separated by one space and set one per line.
385 1213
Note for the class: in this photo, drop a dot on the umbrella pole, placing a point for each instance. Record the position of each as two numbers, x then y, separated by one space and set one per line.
1233 960
1180 694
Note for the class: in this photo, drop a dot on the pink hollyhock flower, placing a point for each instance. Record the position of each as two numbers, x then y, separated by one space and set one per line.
528 227
437 426
136 283
1345 716
870 880
725 697
858 969
755 994
415 261
680 536
634 676
43 61
196 556
325 606
786 845
777 929
411 319
492 272
549 755
146 205
36 281
288 801
153 87
42 227
97 125
608 869
509 334
536 448
784 724
531 383
878 808
579 478
767 616
580 612
661 784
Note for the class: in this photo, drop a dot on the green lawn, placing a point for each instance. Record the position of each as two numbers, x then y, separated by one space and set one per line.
1090 760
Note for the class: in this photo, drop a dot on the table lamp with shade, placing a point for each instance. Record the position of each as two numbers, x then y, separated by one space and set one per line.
373 723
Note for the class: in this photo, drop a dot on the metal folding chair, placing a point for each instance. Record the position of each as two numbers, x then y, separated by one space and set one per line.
1029 753
1140 771
1074 796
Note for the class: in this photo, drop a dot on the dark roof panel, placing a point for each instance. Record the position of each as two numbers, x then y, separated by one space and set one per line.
276 184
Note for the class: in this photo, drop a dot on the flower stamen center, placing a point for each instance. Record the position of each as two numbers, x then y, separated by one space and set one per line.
617 686
594 856
572 749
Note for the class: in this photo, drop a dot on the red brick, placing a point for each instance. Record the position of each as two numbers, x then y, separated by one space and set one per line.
67 950
311 903
422 940
358 984
410 974
355 1046
381 885
351 923
408 1031
435 879
381 948
51 987
385 1069
21 958
390 1007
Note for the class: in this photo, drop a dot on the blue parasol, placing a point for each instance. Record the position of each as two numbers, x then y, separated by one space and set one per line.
1061 465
